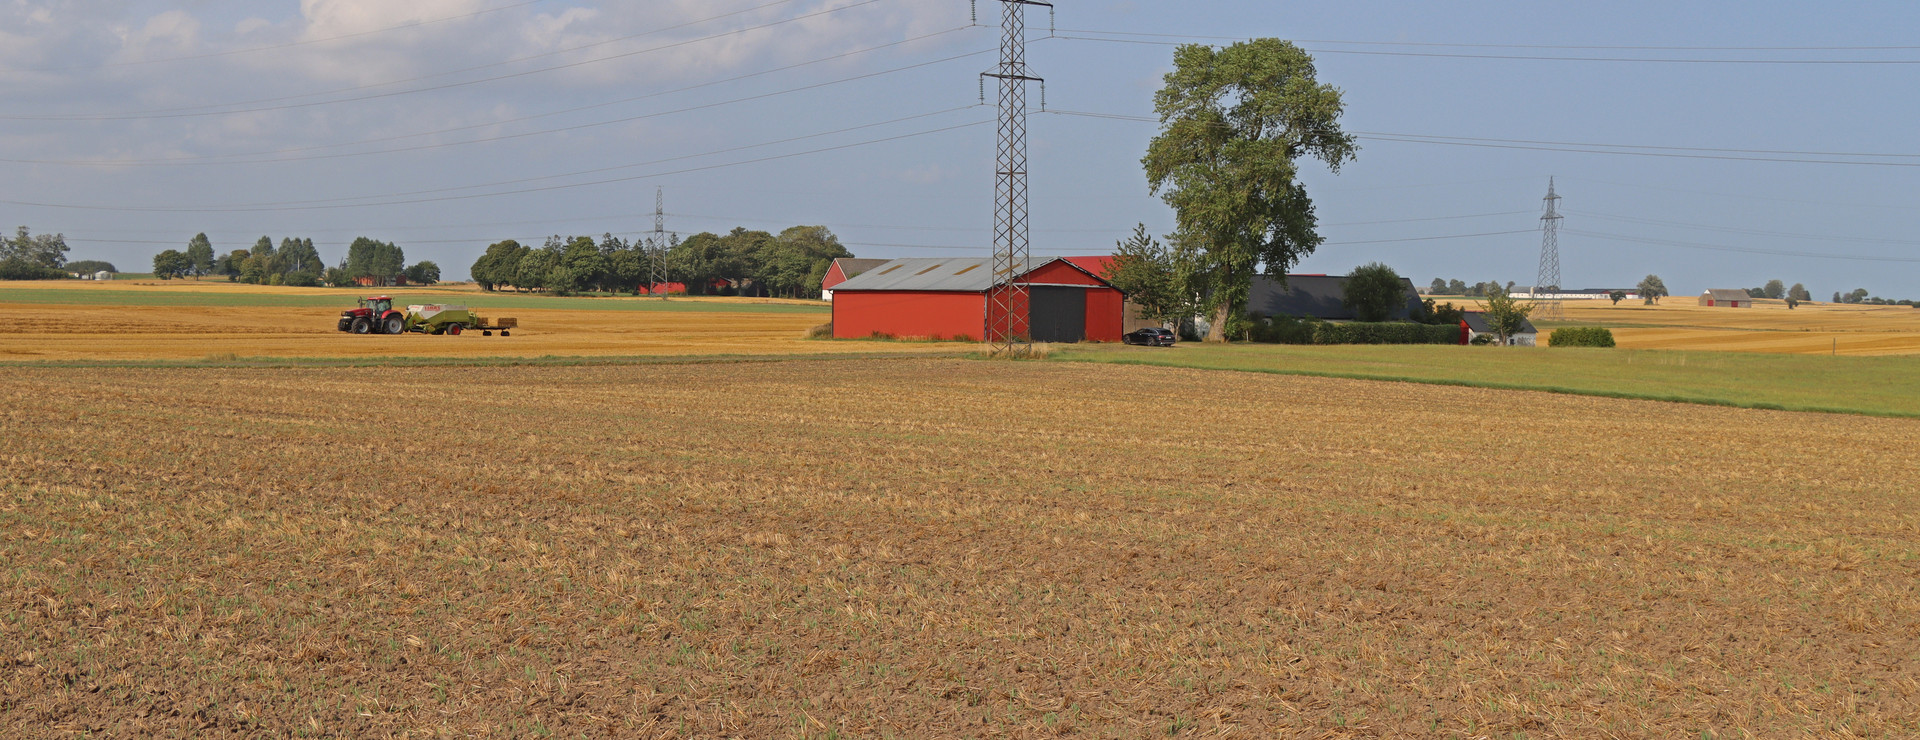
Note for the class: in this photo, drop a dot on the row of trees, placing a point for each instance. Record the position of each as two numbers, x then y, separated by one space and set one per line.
294 262
741 262
28 257
1779 291
1456 287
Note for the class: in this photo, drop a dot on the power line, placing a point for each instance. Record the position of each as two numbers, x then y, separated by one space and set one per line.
184 112
1590 149
1740 250
1540 58
1577 148
331 206
1748 232
597 170
1426 238
293 44
233 158
1506 46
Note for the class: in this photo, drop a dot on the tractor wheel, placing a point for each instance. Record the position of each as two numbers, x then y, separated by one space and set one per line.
395 325
361 326
454 330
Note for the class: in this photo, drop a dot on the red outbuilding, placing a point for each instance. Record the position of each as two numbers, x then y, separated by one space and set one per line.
947 299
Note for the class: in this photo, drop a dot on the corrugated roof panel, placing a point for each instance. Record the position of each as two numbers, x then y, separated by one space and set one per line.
930 273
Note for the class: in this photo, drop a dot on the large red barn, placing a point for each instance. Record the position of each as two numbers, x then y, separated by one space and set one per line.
947 299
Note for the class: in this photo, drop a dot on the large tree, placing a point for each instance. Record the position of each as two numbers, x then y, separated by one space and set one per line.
1652 289
46 250
1234 123
200 253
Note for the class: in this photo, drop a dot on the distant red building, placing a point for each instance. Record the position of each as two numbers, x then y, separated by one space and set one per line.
947 299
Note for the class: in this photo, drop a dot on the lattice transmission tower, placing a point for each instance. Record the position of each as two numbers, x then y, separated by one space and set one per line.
1008 321
657 246
1549 278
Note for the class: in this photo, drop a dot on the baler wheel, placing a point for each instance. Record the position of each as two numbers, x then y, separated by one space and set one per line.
505 333
454 330
486 333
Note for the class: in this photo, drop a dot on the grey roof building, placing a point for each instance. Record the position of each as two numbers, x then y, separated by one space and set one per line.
959 274
1315 297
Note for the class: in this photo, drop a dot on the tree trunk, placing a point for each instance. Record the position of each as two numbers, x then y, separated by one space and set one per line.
1217 330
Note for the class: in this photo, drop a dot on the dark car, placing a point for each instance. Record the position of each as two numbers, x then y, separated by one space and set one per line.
1149 337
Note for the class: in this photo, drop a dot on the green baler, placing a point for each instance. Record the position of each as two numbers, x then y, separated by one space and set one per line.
443 319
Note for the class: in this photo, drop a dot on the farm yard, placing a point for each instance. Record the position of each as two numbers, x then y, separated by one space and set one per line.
835 548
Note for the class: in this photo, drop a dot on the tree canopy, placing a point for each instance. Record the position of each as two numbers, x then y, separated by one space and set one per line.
1153 276
745 262
1652 289
1373 291
1234 123
1505 316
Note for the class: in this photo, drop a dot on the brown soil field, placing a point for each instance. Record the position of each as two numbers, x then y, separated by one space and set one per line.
1678 322
918 547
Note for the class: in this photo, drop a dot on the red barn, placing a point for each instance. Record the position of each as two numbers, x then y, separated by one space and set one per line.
842 270
947 299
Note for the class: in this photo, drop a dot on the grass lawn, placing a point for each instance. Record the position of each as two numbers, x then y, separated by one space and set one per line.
1880 386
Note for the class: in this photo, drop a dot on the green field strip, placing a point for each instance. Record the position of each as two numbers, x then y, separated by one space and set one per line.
1872 386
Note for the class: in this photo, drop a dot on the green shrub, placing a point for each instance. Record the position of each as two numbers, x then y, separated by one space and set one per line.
1581 336
15 268
1385 332
1281 330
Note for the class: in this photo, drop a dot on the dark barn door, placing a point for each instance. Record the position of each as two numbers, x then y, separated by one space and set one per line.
1059 314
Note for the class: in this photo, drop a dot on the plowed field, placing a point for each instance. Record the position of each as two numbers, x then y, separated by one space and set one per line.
939 548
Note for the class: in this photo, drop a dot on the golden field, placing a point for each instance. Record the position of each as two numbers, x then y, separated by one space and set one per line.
1678 322
916 547
143 321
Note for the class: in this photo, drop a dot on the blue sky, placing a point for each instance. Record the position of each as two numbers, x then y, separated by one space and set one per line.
444 125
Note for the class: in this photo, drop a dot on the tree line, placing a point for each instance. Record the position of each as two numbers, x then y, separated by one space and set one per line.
791 264
25 256
296 262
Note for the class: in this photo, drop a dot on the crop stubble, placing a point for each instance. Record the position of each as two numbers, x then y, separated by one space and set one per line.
801 548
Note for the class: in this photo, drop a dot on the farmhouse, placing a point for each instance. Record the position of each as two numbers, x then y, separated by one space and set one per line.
1476 322
1726 298
842 270
1315 297
946 298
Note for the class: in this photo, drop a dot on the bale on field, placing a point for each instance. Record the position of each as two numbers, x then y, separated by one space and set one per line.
823 331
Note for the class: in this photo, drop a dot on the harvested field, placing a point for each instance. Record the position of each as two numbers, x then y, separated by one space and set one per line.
120 322
834 548
1769 327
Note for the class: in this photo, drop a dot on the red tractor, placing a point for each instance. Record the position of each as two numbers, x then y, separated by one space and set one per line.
375 315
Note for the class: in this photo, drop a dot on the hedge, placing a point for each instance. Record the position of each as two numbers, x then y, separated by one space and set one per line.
1386 332
1581 336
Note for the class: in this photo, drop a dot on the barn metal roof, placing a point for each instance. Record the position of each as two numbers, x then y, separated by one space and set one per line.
956 274
1725 294
852 267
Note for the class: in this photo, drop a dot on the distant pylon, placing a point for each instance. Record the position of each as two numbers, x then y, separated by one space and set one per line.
657 246
1008 324
1549 278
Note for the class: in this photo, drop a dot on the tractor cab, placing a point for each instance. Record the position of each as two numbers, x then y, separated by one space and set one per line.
374 316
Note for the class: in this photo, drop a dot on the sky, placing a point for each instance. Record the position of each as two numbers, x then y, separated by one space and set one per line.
1716 144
